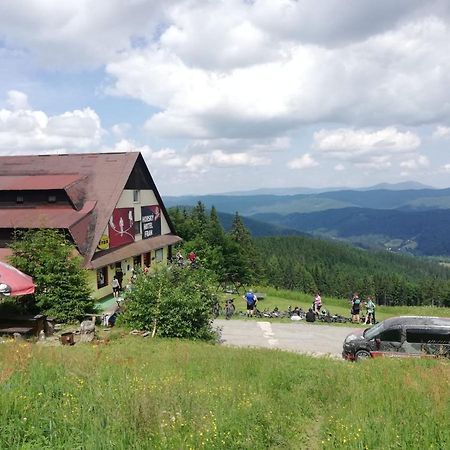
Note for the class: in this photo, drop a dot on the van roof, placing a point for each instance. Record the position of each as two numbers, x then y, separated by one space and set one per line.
419 320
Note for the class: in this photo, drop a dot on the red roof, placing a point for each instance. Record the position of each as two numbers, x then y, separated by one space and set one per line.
93 181
43 216
36 182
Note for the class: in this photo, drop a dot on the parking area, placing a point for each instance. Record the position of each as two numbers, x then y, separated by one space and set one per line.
296 337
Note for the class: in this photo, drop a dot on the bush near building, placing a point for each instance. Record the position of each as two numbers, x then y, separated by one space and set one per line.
172 302
62 287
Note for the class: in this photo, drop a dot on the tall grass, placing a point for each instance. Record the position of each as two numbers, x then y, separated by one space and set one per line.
134 393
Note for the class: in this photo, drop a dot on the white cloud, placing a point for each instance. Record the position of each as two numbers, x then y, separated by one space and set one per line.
304 162
256 146
78 33
281 63
120 129
17 100
375 81
351 144
158 158
441 132
374 162
413 164
30 131
446 167
201 163
339 167
194 25
221 159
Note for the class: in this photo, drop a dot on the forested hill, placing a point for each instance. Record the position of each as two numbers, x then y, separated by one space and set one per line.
307 264
258 228
337 269
247 205
418 232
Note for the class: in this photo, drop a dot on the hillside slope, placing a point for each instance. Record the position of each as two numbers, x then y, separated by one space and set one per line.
418 232
247 205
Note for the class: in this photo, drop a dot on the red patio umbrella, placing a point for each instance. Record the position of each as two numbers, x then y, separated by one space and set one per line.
14 282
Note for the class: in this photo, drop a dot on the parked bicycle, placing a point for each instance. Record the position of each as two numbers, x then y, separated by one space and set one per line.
229 308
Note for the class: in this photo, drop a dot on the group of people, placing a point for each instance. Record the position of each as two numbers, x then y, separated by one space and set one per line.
356 309
313 312
192 258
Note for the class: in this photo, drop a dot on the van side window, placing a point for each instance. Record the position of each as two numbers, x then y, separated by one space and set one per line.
394 335
424 336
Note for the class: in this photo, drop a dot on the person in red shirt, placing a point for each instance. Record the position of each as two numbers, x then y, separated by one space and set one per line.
192 257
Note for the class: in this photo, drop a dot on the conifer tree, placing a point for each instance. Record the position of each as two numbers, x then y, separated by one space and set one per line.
198 220
246 249
215 234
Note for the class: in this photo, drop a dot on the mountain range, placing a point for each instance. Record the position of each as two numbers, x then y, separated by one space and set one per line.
402 218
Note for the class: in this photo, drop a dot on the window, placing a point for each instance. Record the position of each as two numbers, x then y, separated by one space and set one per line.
136 196
418 336
52 198
137 227
19 199
393 335
102 277
159 254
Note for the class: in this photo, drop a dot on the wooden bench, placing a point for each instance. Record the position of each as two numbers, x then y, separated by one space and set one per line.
26 325
12 330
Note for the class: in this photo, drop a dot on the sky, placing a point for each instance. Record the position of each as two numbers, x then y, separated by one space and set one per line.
231 95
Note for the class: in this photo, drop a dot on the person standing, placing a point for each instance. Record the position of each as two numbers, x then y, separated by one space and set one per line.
115 286
370 307
251 301
119 276
317 303
179 257
356 307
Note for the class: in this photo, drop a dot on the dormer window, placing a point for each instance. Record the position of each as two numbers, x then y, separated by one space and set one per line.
52 198
19 199
136 196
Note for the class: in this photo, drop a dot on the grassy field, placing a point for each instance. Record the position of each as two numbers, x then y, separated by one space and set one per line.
136 393
284 298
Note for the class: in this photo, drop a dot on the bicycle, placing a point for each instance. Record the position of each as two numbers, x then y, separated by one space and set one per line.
229 308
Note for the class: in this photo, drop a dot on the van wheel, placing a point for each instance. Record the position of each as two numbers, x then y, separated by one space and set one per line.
362 354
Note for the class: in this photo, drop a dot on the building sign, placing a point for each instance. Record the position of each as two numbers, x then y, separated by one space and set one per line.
151 221
103 243
121 227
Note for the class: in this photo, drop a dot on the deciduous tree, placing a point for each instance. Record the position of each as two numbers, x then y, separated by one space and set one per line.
62 287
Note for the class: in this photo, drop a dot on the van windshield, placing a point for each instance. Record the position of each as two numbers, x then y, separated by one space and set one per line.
370 333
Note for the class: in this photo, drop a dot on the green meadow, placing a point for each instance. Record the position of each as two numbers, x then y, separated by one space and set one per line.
127 392
283 299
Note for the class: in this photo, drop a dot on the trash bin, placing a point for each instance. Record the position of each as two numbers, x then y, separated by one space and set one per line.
67 338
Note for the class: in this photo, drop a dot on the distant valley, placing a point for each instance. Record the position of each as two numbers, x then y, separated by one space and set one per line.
415 221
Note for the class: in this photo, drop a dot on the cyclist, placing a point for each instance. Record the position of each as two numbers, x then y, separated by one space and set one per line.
251 300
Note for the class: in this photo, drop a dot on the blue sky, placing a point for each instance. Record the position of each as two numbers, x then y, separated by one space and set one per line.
233 95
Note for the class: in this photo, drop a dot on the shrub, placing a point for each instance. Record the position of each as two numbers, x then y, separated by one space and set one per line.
172 302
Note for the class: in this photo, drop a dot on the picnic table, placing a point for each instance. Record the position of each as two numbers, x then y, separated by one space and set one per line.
10 324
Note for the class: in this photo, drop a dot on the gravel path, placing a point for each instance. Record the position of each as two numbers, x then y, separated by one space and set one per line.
298 337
